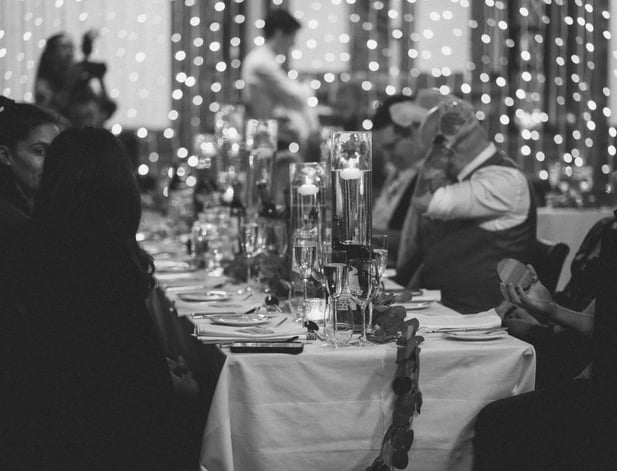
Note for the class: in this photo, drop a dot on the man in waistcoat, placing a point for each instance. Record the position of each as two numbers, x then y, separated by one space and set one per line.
471 208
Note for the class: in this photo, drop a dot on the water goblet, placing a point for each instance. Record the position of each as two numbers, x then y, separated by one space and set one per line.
360 279
380 255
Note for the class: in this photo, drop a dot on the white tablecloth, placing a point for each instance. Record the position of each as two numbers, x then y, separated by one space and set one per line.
569 225
329 409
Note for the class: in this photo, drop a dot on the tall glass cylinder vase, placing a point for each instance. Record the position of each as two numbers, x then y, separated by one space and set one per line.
229 131
261 138
307 222
350 168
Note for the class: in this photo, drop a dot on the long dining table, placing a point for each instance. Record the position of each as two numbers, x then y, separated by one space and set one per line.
328 409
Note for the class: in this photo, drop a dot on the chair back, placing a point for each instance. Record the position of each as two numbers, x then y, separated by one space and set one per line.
548 260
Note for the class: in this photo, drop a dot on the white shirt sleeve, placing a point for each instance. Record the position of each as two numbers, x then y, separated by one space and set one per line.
263 69
496 193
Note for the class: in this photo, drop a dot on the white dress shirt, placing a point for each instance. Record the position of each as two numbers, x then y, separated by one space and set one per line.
271 93
498 194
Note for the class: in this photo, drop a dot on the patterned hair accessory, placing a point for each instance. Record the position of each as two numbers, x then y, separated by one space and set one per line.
6 103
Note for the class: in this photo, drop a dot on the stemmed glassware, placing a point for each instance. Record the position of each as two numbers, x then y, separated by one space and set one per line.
304 257
380 255
252 246
360 283
334 264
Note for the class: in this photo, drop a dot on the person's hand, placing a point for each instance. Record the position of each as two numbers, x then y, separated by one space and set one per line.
537 300
519 328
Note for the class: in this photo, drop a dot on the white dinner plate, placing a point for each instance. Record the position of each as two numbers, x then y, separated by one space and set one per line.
476 336
241 320
200 296
416 306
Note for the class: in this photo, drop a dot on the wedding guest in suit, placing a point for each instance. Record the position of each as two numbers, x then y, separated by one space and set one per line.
269 93
572 425
471 208
25 133
90 388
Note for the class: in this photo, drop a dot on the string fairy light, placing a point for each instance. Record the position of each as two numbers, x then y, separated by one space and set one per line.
555 107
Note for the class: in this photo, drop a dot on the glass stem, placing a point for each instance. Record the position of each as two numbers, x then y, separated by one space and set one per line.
363 315
305 282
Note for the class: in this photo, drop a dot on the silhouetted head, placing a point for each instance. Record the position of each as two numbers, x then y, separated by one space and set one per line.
88 186
280 30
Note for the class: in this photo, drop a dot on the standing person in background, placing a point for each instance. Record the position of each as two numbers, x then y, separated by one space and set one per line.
269 93
25 133
76 90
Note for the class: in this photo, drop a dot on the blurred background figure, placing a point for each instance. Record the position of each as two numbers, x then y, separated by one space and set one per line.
269 92
396 139
76 90
25 133
398 154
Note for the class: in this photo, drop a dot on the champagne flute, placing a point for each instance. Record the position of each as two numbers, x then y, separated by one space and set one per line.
334 264
304 255
251 246
360 279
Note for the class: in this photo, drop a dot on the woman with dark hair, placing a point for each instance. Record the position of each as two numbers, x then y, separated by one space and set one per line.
25 133
91 382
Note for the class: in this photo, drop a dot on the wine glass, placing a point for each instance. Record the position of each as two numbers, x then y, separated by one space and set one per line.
334 264
360 279
251 244
304 255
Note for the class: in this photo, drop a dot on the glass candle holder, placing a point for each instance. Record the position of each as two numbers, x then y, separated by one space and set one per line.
261 138
351 173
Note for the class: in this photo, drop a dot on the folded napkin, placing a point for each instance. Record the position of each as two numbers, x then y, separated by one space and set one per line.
208 332
439 317
191 282
236 305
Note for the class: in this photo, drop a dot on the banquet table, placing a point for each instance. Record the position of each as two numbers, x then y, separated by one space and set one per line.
328 409
569 225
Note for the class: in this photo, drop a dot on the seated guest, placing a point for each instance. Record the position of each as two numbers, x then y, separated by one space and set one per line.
571 426
471 208
25 133
396 138
561 352
90 388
